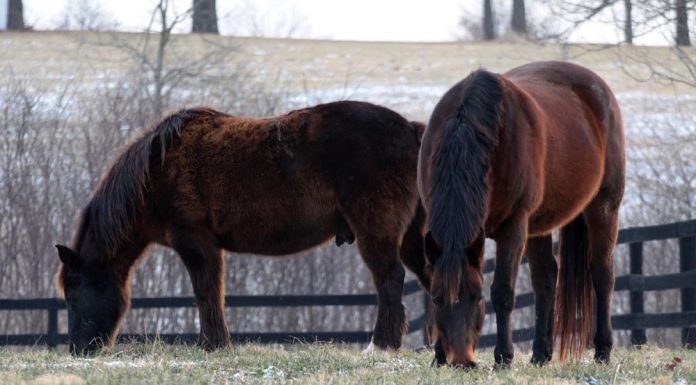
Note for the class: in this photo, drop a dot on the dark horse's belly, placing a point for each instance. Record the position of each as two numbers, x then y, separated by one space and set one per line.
293 219
280 239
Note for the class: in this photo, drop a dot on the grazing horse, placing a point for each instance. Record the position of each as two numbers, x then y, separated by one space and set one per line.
202 181
512 157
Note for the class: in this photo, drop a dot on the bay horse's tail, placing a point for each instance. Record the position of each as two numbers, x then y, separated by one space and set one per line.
574 292
117 198
458 193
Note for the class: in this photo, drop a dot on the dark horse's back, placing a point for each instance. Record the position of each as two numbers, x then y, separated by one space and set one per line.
281 185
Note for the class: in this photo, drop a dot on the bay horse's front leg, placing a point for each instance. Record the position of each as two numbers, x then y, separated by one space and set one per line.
206 268
510 242
382 258
544 270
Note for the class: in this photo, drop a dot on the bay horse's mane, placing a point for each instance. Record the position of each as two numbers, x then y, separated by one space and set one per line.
459 188
114 205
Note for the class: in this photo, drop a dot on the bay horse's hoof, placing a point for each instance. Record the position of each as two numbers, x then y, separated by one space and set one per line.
540 359
503 360
602 356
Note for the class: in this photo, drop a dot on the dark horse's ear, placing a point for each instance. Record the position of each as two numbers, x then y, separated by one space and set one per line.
432 249
68 257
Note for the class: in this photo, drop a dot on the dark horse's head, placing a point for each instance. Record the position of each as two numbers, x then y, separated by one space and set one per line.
96 302
458 314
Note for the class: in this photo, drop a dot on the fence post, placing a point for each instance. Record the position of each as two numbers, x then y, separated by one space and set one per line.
687 261
52 337
638 336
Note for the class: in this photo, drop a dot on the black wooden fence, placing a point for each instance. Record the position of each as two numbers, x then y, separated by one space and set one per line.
635 282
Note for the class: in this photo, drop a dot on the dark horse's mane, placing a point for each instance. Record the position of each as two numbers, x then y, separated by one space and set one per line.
114 205
459 185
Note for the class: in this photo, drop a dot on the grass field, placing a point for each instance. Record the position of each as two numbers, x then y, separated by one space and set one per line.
326 364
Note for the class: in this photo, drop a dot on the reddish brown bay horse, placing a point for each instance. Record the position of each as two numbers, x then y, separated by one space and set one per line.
512 157
202 181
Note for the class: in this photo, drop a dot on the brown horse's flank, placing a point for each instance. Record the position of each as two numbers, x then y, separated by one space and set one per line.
520 154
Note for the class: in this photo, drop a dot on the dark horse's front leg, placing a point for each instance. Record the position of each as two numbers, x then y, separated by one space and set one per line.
205 265
544 270
382 257
510 239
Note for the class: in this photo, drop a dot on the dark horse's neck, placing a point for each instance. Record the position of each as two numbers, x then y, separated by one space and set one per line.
117 257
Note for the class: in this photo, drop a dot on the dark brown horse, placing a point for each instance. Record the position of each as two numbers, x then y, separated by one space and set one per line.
202 181
512 157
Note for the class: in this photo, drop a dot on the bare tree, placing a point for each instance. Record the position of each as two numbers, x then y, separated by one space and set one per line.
628 21
159 74
488 22
86 15
518 22
204 17
682 23
15 15
578 12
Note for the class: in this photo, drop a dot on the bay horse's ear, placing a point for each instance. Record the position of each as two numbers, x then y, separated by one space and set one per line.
432 249
68 257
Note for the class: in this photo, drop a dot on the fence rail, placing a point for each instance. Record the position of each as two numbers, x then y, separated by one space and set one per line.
635 282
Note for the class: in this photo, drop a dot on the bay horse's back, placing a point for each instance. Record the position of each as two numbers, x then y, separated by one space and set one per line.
580 120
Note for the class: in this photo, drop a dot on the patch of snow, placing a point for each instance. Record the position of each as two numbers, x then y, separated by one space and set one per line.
273 373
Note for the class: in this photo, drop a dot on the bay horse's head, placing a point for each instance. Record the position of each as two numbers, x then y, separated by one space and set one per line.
96 302
458 311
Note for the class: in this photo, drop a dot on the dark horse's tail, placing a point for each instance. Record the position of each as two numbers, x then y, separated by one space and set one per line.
574 292
117 199
458 193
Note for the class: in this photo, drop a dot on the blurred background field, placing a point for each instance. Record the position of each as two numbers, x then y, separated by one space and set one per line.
70 99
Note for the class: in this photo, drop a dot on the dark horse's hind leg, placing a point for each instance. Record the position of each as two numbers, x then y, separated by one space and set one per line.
206 268
602 226
411 251
544 270
510 240
382 257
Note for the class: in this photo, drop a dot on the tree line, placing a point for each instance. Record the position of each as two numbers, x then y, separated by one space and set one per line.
633 18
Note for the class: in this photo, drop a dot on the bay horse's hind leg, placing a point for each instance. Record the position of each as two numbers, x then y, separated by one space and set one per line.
382 258
206 268
544 270
602 222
